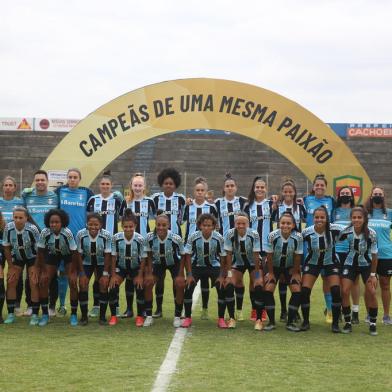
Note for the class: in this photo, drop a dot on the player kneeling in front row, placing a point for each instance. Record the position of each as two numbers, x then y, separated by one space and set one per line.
242 245
361 260
284 251
205 258
128 259
95 248
165 251
56 243
20 248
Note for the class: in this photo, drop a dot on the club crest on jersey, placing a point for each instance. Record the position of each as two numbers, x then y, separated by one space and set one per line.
345 271
355 183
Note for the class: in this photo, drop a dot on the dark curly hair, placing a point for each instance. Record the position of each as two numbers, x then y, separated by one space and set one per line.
204 217
94 215
169 173
64 218
128 216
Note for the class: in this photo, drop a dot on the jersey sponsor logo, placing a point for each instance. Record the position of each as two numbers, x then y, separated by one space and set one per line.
345 271
73 203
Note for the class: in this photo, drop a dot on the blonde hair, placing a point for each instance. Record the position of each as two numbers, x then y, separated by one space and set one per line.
131 195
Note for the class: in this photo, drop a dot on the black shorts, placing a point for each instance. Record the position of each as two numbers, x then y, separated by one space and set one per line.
384 267
327 270
286 272
159 270
89 270
127 273
56 260
205 273
244 268
2 256
351 272
342 257
21 263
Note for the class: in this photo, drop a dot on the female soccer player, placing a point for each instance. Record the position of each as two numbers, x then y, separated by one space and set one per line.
192 212
360 260
73 200
319 240
288 203
284 252
242 246
143 208
316 199
259 209
56 244
165 251
173 205
95 249
205 258
380 220
7 204
20 248
341 216
128 259
110 206
2 265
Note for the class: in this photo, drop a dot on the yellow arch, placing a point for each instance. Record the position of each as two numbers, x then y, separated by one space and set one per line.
241 108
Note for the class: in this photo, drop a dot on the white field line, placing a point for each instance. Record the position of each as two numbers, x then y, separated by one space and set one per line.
169 364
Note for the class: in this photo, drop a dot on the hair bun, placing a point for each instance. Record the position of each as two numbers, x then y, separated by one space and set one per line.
228 176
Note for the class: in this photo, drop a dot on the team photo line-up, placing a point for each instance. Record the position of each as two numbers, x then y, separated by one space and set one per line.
67 236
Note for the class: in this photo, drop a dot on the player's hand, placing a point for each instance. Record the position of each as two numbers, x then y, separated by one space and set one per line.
188 201
114 281
43 277
189 281
34 275
220 281
104 281
138 282
373 281
12 274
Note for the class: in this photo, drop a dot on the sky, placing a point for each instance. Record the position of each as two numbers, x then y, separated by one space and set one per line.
66 58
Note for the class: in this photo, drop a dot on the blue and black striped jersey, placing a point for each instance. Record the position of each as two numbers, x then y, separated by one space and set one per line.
227 210
205 252
110 208
360 249
165 252
283 250
7 207
128 253
193 211
172 206
245 247
299 213
144 210
23 243
61 244
260 218
319 251
91 249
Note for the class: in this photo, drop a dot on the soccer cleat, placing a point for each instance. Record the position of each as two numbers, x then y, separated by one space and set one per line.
83 321
139 321
73 320
204 314
270 327
239 316
335 328
253 315
52 312
187 322
44 320
61 311
10 319
328 317
28 312
113 320
148 321
177 322
34 320
304 326
283 317
373 330
264 315
354 318
292 327
259 325
18 312
127 314
94 312
222 323
231 323
386 320
347 328
157 314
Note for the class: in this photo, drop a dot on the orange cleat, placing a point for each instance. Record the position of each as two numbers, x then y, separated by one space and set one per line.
222 323
113 320
187 322
253 315
264 315
139 321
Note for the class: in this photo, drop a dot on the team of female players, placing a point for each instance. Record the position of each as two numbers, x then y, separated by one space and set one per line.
224 238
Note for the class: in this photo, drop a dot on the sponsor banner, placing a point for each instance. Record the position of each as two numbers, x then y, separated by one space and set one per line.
370 130
57 178
16 124
54 124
